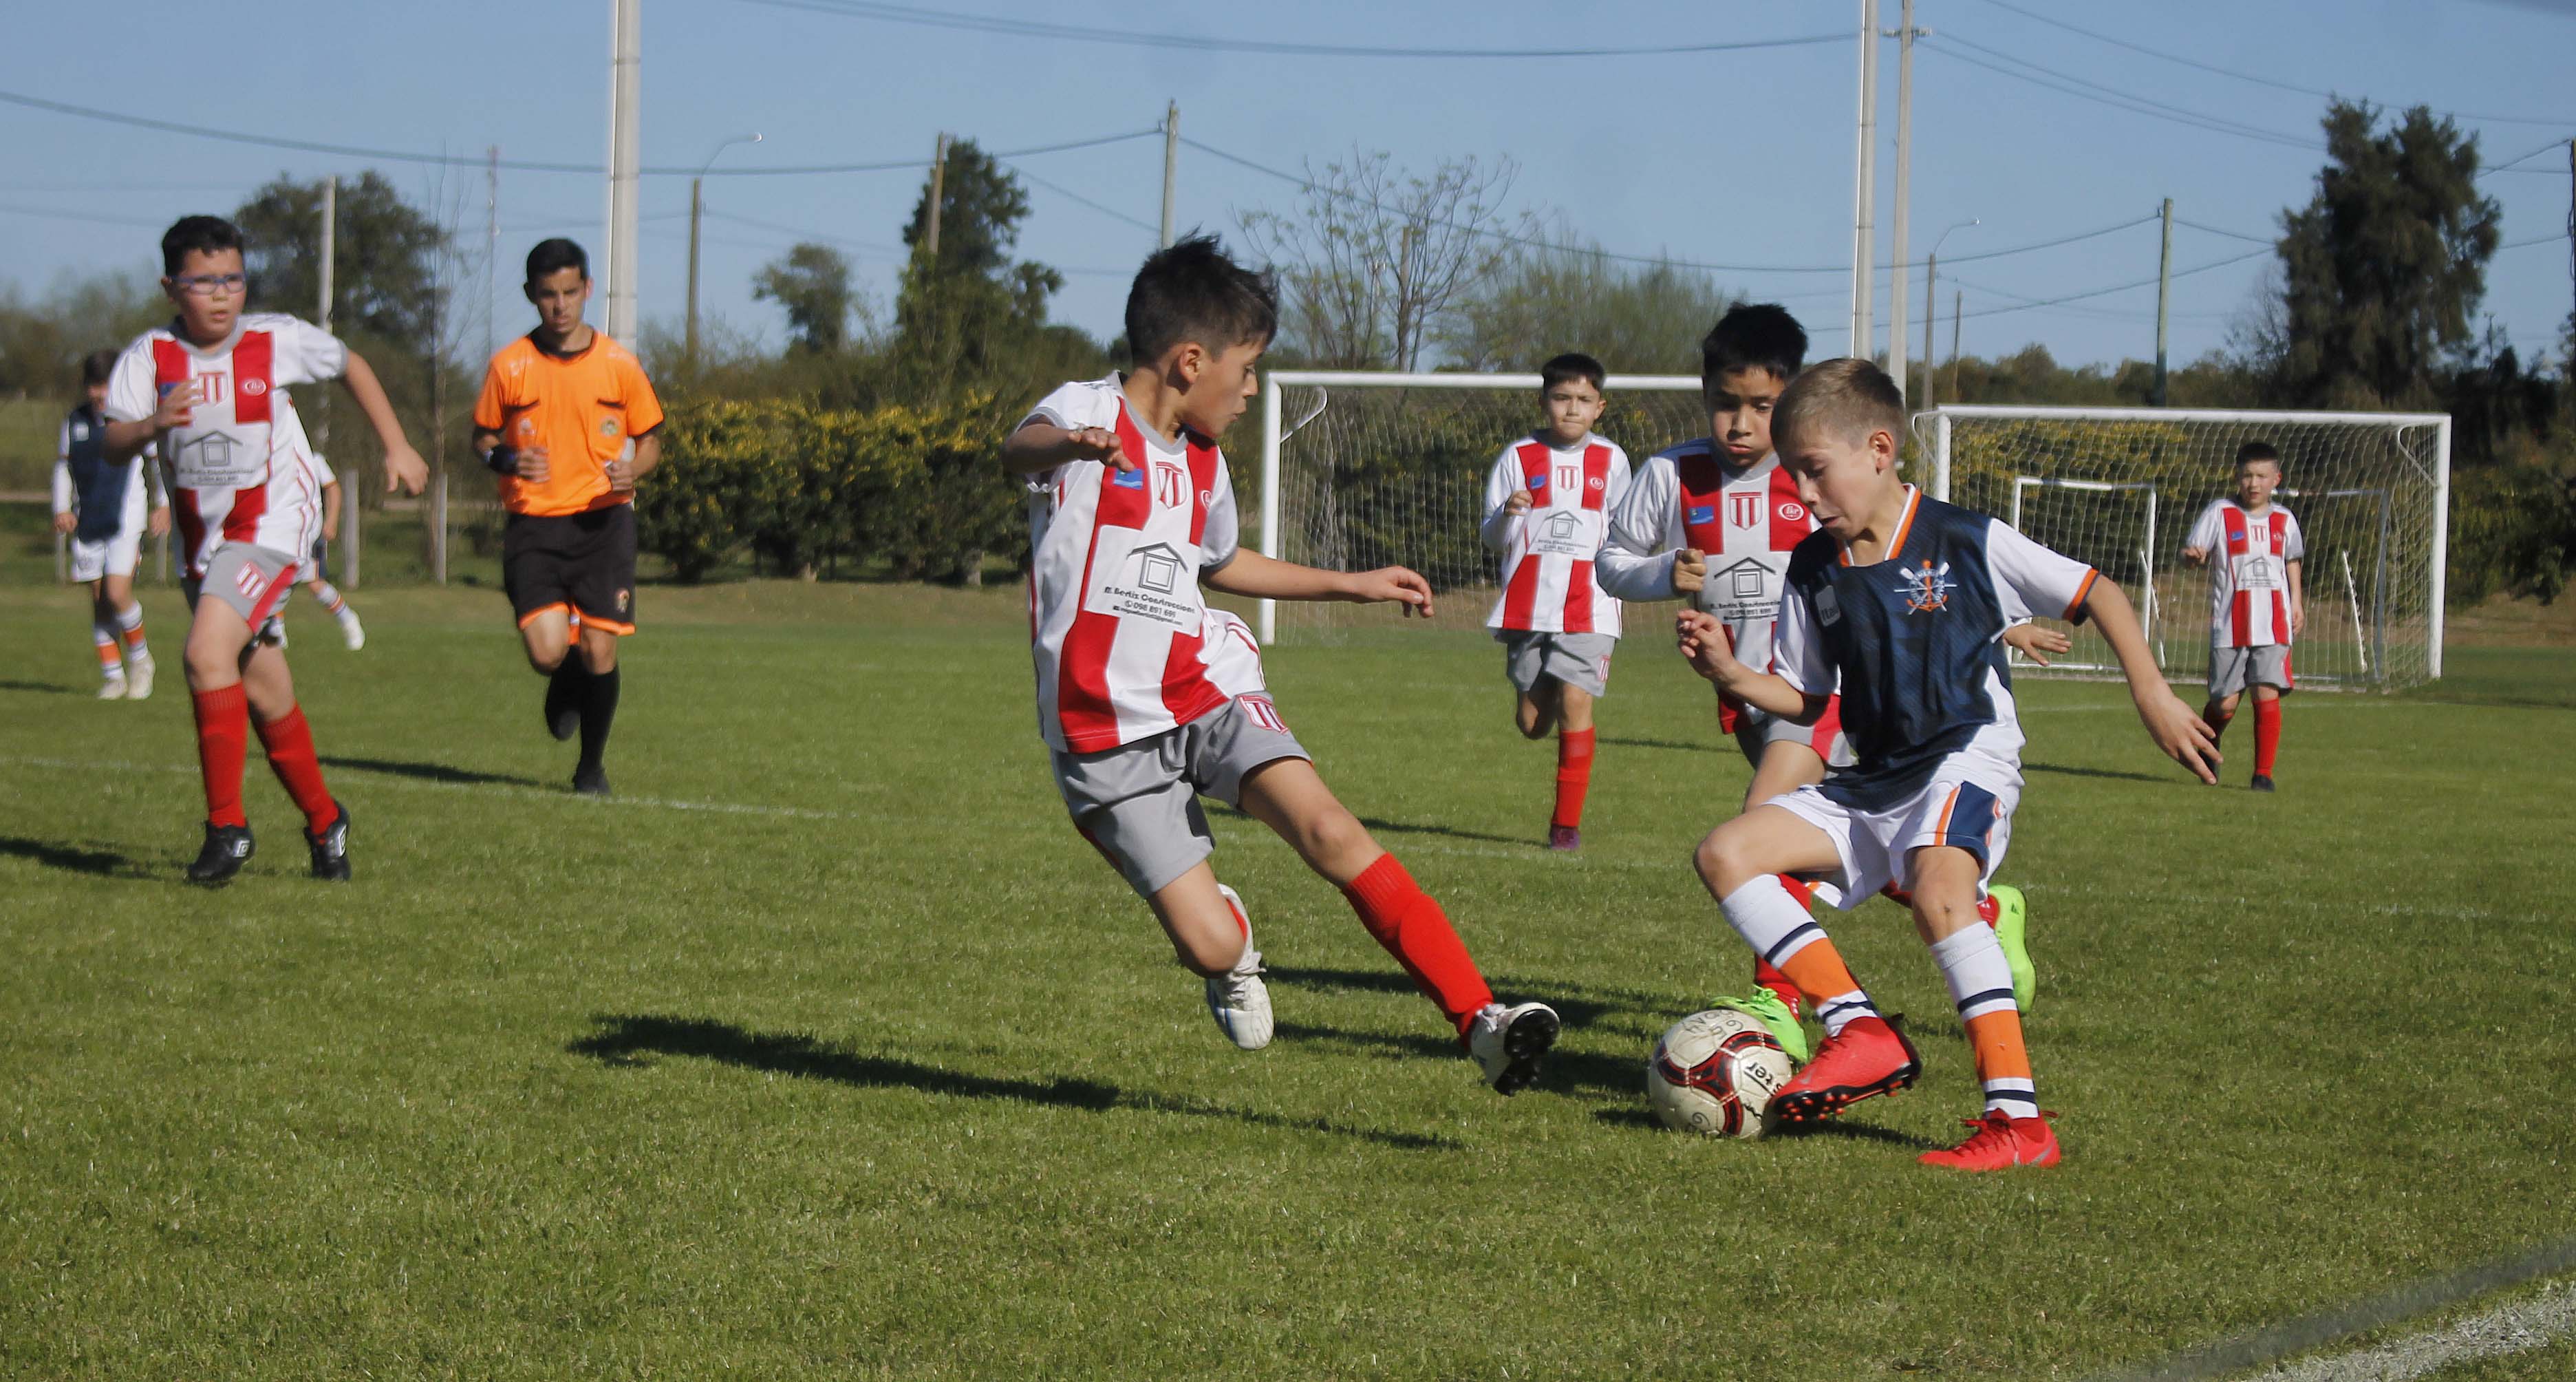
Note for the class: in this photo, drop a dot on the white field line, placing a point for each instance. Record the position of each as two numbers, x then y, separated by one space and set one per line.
494 789
2506 1329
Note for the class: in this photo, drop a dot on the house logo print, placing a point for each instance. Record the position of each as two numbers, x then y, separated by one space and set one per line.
1747 579
1560 527
1158 568
214 451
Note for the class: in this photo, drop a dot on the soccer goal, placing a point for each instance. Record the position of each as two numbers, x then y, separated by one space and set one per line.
2121 487
1361 469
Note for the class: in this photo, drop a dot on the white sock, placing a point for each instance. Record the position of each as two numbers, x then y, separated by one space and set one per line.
1972 964
1772 922
104 636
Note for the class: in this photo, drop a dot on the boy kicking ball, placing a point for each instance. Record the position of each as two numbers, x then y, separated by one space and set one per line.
1130 510
1902 601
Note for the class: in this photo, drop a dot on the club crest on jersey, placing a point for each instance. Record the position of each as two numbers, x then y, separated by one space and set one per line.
253 388
1742 510
1927 589
1169 483
1701 513
1793 512
1596 482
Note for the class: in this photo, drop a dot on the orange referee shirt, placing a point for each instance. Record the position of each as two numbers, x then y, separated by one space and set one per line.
583 409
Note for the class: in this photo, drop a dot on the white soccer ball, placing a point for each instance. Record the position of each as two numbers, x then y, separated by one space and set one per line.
1715 1072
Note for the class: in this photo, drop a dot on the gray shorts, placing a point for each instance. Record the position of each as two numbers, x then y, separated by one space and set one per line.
1580 660
2232 670
1757 730
254 581
1138 803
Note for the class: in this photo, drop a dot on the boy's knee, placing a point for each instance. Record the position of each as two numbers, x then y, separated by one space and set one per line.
1720 864
1336 835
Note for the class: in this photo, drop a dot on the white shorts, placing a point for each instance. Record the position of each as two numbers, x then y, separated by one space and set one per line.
1967 802
113 556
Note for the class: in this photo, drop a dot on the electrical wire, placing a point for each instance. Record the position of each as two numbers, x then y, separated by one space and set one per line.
2116 288
1070 195
2085 89
2230 234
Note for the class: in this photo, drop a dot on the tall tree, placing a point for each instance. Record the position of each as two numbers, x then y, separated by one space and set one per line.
2382 271
386 266
970 316
812 283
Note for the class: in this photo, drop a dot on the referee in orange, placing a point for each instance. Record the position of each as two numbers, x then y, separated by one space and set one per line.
569 423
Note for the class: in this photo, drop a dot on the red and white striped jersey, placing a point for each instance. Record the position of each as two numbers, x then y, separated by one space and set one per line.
2249 577
1744 522
234 473
1233 655
1116 626
1549 585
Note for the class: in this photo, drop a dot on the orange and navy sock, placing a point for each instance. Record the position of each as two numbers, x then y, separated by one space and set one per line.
1405 919
109 666
223 740
1767 974
2267 734
289 741
1972 964
1781 933
1573 776
329 595
129 626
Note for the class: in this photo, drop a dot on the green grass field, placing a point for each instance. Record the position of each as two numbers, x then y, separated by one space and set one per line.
827 1050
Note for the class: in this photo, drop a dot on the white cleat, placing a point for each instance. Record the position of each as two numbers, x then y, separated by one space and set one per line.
139 679
112 689
353 631
1237 999
1508 1043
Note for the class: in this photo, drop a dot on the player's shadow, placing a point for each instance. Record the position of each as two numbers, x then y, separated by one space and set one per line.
2119 774
1404 828
1675 745
1644 1120
431 772
1569 1000
631 1041
41 687
103 863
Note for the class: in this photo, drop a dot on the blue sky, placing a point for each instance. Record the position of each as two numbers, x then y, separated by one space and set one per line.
1741 158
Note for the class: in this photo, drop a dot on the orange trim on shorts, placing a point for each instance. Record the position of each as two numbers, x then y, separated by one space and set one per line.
1941 831
2082 593
542 611
593 621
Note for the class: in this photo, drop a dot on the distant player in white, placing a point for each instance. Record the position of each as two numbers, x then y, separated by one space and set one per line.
316 574
99 504
1548 502
2257 604
207 389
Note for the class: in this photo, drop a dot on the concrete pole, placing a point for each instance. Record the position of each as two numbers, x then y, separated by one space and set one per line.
322 397
2164 298
1896 365
1171 164
697 207
1957 300
938 194
1931 275
1865 182
625 164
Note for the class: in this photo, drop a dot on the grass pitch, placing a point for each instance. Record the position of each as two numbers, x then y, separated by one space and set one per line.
828 1050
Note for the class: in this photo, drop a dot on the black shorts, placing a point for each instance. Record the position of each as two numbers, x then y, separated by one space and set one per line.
580 562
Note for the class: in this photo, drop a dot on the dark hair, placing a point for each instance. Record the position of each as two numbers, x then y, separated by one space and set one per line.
1572 365
97 366
1189 291
1851 397
1753 336
196 234
554 256
2258 451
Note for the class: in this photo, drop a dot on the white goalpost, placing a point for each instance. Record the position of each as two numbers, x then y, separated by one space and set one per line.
2121 487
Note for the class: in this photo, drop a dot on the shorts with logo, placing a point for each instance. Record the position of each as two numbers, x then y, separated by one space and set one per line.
112 556
1967 801
253 581
1757 730
582 563
1580 660
1138 803
2231 670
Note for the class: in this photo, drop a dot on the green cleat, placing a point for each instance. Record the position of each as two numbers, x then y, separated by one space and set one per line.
2011 916
1765 1007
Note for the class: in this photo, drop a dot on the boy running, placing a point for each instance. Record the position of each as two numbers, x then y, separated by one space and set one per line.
317 575
1547 503
99 503
1901 601
2256 601
207 389
1130 510
569 422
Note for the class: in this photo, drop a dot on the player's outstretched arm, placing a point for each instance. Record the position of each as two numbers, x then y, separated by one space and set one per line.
1043 446
404 469
2179 732
1251 573
1705 645
2036 643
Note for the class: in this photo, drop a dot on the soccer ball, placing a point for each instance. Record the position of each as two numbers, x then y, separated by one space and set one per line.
1714 1072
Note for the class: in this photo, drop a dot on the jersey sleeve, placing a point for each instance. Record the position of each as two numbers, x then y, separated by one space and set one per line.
130 394
1073 406
491 407
63 481
643 406
1636 563
2204 529
1500 482
2294 543
1797 654
2033 580
1223 535
306 353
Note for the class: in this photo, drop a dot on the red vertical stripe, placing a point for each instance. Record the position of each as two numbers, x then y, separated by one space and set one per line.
2241 614
169 364
1596 477
253 376
1187 693
1521 596
241 521
192 528
1703 486
1578 598
1787 532
1083 706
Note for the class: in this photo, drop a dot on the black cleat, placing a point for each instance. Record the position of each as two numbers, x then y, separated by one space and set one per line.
228 847
2262 782
590 781
563 705
331 847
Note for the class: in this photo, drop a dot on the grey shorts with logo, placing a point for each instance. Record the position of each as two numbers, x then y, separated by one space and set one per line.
1580 660
1138 803
2232 670
254 581
1757 730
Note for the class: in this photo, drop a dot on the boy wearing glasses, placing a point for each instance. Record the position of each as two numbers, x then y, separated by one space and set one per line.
206 387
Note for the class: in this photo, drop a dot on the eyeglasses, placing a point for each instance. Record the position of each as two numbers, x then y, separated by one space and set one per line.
207 285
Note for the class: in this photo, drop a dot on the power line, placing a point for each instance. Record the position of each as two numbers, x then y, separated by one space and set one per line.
2551 147
52 215
1076 33
2084 89
1070 195
2230 234
2116 288
2273 82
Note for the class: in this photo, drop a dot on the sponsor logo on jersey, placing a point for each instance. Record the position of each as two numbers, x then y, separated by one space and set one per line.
608 427
1927 590
1158 568
1793 511
1829 610
253 388
1596 482
1538 481
625 597
1128 479
1700 513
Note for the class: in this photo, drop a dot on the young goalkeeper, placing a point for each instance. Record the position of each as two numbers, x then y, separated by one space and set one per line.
1902 601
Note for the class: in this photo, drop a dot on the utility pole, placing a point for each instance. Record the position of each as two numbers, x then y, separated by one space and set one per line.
1904 174
938 194
1931 275
322 424
697 207
1865 181
625 166
2164 296
1171 164
1957 299
491 239
2571 229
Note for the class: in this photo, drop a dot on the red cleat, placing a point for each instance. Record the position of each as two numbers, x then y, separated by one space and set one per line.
2000 1143
1867 1057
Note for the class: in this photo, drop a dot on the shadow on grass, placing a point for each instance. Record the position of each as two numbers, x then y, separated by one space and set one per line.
630 1041
1644 1120
103 863
1674 745
2159 779
1580 1005
41 687
1399 828
431 772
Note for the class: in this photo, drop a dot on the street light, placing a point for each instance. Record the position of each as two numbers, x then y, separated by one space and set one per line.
1931 271
697 203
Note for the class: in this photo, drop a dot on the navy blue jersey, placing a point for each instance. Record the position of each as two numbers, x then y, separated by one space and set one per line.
1914 640
98 486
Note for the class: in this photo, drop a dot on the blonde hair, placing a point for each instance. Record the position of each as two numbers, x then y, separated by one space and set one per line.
1852 398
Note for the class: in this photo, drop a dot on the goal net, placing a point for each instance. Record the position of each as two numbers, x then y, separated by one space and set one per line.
1362 470
2120 488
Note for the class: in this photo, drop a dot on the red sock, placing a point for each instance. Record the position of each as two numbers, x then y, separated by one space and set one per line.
1573 776
1417 933
1767 974
223 738
289 741
2217 722
2267 734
